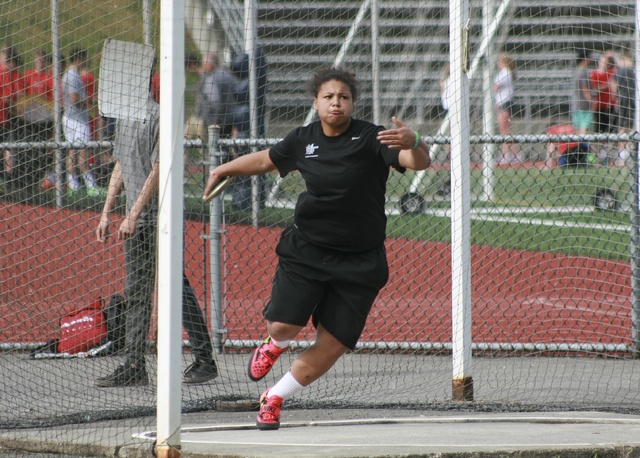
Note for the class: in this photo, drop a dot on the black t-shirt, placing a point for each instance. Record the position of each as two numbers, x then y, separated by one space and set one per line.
346 176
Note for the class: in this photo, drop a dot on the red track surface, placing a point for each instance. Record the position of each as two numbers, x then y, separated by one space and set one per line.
51 264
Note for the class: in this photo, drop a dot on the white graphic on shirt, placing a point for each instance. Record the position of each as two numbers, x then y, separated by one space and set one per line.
355 138
310 151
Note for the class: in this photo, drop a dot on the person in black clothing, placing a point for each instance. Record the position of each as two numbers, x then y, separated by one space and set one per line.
242 186
332 260
216 96
240 69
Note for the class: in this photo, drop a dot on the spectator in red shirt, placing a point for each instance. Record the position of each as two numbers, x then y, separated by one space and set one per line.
603 85
39 80
38 90
18 82
38 93
6 91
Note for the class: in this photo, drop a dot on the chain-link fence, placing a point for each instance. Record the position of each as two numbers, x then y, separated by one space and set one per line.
553 206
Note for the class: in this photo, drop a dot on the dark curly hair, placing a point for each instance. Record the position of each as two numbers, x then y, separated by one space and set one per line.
341 74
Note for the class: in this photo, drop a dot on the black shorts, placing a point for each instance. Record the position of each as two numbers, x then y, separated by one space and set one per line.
334 288
605 121
625 116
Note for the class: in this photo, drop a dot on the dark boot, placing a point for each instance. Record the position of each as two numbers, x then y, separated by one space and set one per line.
201 370
126 375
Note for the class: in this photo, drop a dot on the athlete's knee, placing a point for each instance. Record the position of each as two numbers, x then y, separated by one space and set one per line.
328 345
282 331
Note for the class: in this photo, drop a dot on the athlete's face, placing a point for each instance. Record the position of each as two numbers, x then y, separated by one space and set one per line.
334 104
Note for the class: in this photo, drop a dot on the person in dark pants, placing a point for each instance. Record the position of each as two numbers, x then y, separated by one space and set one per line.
240 69
216 96
242 186
136 170
332 260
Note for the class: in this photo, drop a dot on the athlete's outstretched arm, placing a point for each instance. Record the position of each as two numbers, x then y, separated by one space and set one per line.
250 164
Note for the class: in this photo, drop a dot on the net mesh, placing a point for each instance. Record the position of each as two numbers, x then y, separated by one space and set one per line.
552 212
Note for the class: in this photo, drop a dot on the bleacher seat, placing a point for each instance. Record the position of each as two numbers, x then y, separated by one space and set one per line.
542 36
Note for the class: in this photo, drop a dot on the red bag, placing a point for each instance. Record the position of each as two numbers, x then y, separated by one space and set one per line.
82 329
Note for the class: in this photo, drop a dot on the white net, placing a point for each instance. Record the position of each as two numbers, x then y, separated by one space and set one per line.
553 202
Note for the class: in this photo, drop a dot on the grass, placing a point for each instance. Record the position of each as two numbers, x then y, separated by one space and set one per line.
28 25
588 242
527 196
525 199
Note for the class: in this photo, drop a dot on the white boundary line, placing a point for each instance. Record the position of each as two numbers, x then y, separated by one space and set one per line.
150 435
487 212
493 214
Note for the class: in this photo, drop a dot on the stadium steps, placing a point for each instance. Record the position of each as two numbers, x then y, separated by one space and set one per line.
541 35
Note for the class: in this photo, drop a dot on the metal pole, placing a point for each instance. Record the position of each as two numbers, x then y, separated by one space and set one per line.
170 228
636 38
57 108
146 21
462 377
635 249
250 50
489 149
215 246
635 207
375 61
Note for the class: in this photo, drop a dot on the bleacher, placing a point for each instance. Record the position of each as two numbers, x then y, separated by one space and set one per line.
542 36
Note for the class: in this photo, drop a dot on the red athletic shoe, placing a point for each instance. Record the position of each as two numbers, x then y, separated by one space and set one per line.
269 416
263 359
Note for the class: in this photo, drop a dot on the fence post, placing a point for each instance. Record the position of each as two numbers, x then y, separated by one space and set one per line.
462 377
635 248
215 244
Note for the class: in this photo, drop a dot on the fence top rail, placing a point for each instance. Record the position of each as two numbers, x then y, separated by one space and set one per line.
52 145
264 142
476 139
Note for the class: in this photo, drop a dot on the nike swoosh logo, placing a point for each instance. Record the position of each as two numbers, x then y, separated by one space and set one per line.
355 138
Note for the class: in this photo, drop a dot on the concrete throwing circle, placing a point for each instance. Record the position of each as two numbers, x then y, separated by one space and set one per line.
392 437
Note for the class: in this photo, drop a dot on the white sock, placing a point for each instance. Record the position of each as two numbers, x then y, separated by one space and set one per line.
286 387
280 343
73 181
89 180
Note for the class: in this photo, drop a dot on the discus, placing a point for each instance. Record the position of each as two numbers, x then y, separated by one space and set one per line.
217 189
